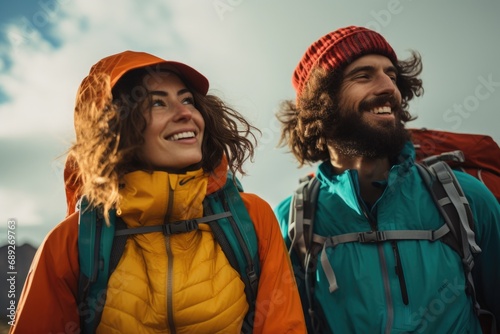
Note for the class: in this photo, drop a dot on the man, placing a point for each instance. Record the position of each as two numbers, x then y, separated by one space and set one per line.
351 106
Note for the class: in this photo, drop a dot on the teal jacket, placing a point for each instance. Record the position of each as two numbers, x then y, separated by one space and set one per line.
369 298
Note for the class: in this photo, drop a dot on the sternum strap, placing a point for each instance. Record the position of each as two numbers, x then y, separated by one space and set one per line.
373 237
182 226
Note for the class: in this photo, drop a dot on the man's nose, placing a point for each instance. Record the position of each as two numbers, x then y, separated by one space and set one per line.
385 85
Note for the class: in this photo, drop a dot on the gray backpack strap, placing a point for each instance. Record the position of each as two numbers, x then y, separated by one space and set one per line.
373 237
457 198
296 230
455 210
302 210
455 156
379 236
300 231
327 267
448 191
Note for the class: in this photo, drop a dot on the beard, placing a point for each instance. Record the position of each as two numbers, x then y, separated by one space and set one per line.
352 136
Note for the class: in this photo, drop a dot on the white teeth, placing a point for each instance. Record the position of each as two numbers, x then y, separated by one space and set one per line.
182 135
382 110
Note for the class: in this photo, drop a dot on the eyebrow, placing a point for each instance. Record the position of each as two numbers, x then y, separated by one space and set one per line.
164 93
369 68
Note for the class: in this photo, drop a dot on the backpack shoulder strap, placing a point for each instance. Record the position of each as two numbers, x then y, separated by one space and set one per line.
450 200
301 216
118 247
101 246
455 210
236 235
95 240
303 240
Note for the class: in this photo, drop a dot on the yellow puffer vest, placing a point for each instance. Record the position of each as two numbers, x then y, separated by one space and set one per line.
181 283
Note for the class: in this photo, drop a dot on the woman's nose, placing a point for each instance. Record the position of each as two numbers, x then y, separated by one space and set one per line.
183 112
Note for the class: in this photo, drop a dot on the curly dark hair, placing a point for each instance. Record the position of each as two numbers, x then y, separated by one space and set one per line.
226 130
304 122
110 129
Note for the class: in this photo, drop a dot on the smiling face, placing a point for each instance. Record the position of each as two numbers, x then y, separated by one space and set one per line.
174 132
369 87
367 119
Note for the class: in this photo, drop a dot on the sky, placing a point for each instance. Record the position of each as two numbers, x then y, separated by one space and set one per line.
248 51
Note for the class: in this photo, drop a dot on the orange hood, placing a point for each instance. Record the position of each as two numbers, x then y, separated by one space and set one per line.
96 87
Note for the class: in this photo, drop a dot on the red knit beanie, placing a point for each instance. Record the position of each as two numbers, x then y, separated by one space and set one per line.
338 49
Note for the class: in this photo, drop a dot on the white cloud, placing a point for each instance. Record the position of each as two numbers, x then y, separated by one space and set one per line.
43 79
21 206
36 87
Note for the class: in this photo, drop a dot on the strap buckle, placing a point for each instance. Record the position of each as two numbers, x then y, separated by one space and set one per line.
468 262
253 278
371 237
178 227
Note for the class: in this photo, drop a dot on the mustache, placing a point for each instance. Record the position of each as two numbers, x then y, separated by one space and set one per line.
379 101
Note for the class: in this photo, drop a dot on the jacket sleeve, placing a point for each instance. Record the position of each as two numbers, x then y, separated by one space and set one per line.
48 301
278 308
486 271
282 214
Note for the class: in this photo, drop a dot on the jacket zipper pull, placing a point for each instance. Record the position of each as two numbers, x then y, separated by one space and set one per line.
399 273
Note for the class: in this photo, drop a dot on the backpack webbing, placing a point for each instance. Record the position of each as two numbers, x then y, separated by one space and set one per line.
238 240
101 246
94 255
448 197
454 207
300 231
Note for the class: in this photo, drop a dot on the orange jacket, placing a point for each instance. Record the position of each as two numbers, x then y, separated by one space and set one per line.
48 303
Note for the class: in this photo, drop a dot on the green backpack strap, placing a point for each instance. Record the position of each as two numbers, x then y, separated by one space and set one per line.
95 240
237 237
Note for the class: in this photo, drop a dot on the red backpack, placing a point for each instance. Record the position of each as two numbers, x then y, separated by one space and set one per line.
481 153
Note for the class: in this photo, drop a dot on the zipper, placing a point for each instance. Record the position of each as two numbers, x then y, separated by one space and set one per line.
170 308
385 274
383 263
170 265
400 273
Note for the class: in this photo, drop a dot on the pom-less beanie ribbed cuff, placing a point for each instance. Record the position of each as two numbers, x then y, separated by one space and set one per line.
339 48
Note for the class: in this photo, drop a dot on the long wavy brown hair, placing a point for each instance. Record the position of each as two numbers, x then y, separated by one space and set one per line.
110 125
304 122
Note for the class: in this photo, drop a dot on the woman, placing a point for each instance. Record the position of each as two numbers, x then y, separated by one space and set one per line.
152 145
